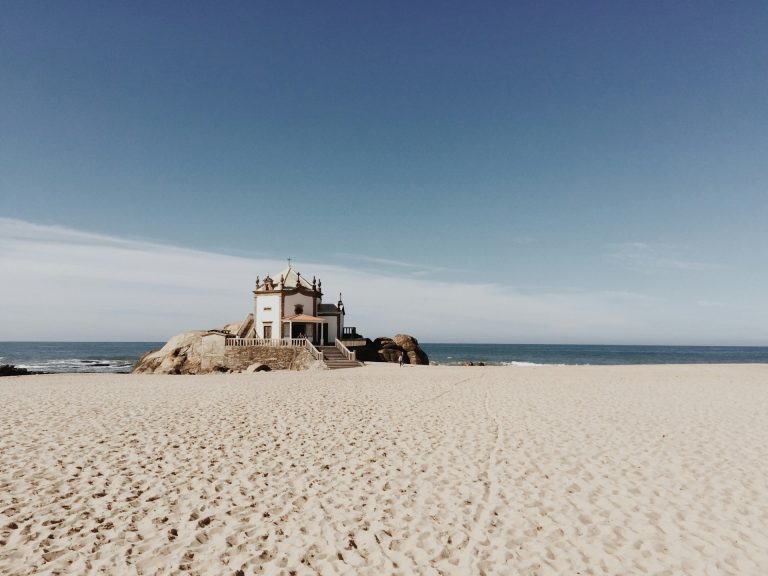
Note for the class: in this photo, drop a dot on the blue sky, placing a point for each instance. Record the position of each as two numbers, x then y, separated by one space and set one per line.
542 150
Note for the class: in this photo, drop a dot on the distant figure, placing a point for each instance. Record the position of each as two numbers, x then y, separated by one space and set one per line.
400 359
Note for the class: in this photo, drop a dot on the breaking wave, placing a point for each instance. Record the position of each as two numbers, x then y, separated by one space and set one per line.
78 365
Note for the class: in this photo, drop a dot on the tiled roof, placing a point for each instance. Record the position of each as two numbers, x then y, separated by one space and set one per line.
303 318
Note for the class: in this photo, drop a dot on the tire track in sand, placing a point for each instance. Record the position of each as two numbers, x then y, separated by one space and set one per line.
451 387
490 500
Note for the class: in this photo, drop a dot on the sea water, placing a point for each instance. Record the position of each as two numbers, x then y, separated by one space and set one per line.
568 354
120 356
75 356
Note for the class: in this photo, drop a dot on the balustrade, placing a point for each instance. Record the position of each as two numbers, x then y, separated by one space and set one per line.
346 352
272 342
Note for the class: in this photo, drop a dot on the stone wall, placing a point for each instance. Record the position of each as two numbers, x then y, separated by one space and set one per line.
217 356
240 357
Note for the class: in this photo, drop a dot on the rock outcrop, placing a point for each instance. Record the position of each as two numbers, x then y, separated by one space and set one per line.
385 349
11 370
412 349
182 354
193 353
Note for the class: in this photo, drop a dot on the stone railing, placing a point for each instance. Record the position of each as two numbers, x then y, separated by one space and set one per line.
316 354
350 333
346 352
273 342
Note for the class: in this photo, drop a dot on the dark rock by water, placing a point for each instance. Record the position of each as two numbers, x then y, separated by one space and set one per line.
11 370
385 349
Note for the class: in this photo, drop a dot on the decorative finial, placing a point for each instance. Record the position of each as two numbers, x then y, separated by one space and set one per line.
289 261
314 283
257 281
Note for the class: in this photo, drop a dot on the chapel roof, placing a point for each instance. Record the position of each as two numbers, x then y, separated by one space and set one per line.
305 318
291 278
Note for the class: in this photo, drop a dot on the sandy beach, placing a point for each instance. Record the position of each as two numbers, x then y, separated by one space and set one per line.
382 470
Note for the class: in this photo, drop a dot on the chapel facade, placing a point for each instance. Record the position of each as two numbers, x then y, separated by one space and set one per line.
290 306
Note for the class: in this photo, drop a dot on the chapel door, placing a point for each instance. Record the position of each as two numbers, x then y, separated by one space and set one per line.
299 330
267 331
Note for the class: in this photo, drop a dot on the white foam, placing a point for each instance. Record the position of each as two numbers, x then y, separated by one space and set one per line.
74 365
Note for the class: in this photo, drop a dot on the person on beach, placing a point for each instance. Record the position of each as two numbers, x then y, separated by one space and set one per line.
400 359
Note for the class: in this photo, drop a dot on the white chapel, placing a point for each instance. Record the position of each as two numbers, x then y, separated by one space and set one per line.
290 306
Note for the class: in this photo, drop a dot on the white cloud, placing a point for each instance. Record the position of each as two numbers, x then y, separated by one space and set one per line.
62 284
645 257
388 265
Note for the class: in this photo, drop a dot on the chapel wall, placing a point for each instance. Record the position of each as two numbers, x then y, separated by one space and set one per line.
332 334
293 299
267 309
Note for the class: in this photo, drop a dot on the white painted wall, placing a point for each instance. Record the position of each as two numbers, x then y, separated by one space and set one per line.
275 315
261 315
331 328
293 299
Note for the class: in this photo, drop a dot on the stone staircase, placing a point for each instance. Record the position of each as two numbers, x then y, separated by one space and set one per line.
334 359
246 327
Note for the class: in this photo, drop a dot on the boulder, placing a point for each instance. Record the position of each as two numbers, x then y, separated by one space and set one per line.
385 349
385 343
390 354
180 355
232 327
11 370
406 342
412 349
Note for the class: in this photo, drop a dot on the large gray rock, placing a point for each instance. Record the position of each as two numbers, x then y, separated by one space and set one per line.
180 355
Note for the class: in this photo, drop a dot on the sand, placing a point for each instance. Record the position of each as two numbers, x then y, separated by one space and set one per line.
386 470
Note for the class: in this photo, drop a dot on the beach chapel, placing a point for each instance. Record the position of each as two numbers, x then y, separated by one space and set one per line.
289 306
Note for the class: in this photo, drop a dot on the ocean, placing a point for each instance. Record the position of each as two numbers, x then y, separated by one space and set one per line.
572 354
120 356
75 356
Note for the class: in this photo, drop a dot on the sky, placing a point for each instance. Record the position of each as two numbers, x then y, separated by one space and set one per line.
557 172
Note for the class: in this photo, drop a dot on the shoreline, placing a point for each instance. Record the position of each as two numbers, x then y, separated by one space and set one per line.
108 357
393 365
